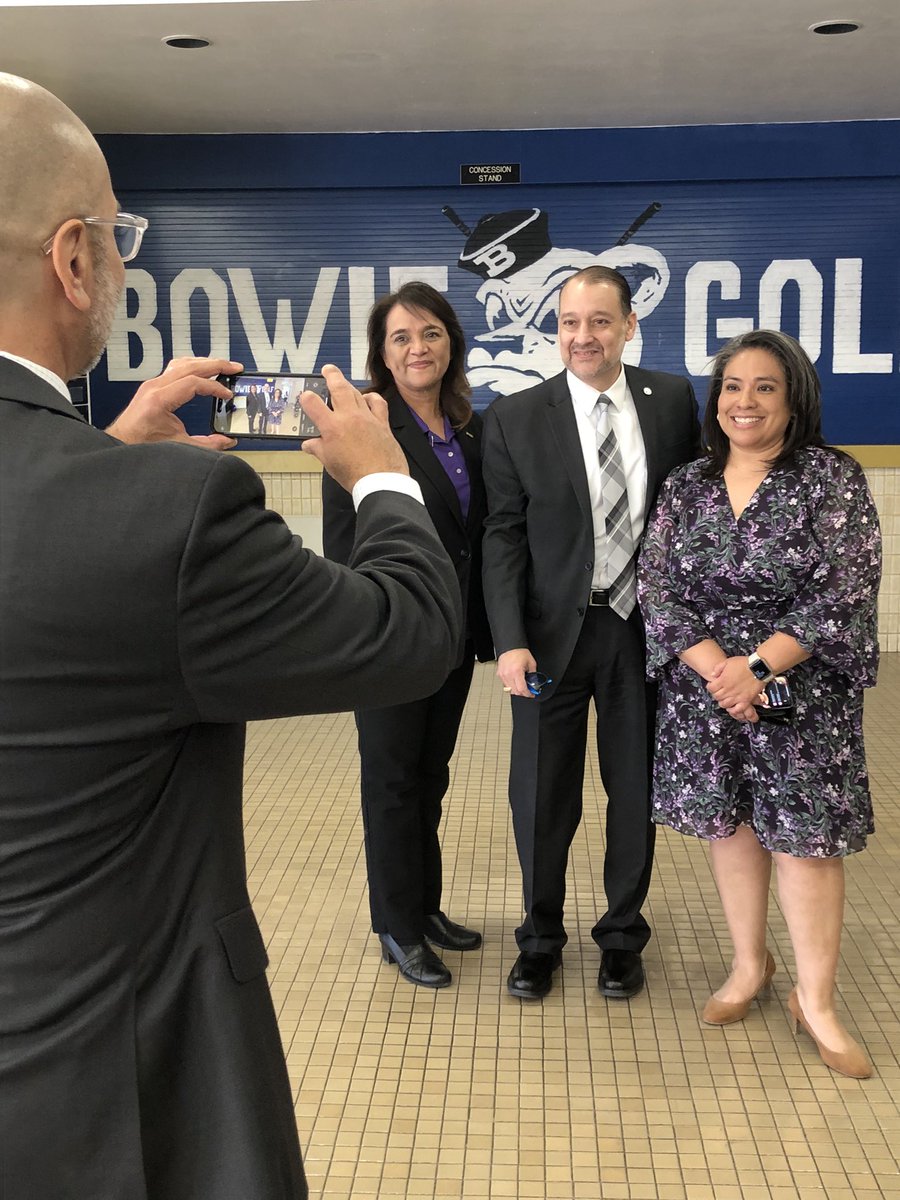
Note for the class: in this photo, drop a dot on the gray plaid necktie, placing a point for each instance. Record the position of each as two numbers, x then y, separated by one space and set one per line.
614 504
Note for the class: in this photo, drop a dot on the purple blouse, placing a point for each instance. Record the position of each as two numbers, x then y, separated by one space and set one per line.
448 452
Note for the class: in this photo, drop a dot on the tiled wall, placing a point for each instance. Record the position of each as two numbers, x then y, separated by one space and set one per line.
885 485
299 494
294 494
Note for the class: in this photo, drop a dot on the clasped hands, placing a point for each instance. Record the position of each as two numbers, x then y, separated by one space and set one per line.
735 688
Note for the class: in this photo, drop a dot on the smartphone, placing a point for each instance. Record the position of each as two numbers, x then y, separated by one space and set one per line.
776 704
266 406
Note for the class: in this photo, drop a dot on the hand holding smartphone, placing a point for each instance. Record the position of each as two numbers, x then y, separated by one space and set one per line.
266 406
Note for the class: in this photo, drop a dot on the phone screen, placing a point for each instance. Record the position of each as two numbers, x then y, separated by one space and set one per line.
266 406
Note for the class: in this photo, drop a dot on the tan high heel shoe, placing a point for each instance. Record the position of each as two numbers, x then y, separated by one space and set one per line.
848 1062
724 1012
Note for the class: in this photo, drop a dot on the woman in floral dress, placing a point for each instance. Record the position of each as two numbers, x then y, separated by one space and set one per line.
277 405
763 558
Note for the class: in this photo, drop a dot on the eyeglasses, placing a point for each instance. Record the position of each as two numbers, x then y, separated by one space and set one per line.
128 231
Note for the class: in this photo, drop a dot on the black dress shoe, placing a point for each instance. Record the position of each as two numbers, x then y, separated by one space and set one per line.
443 932
621 974
417 963
532 974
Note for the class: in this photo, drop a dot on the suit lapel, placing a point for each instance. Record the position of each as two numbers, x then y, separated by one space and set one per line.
470 440
415 445
647 405
561 418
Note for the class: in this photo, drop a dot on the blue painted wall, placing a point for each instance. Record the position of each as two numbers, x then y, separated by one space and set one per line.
270 249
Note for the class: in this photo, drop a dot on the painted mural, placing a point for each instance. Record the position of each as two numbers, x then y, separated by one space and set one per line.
283 280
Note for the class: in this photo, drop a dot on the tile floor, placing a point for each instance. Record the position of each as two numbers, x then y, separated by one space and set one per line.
407 1093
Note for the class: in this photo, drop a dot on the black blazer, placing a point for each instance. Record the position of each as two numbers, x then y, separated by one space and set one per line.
149 605
461 538
539 537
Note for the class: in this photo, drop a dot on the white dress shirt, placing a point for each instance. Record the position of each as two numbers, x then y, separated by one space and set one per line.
385 481
623 419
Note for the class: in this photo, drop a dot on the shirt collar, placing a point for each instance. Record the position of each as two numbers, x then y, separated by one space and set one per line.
584 397
448 428
45 374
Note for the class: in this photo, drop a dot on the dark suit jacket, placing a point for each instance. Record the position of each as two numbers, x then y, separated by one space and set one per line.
149 606
539 539
460 537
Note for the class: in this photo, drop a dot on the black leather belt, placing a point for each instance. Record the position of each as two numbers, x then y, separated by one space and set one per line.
599 599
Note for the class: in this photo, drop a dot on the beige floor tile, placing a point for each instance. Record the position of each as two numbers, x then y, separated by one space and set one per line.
413 1095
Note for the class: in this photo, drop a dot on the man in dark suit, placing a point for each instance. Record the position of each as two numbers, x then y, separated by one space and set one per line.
263 408
149 606
572 468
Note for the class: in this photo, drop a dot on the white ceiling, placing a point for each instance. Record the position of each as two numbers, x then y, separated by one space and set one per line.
346 65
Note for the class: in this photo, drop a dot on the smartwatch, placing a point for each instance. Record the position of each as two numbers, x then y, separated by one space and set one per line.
760 668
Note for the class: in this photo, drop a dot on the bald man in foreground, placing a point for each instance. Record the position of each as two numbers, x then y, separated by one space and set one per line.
139 1054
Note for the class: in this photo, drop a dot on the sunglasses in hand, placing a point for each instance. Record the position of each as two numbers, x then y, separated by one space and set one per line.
536 682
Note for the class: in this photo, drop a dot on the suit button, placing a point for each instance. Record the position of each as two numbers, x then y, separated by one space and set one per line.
464 554
589 566
580 612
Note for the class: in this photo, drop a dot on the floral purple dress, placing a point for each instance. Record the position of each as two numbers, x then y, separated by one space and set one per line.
803 558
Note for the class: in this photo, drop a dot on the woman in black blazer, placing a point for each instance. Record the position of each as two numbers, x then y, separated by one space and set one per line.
416 361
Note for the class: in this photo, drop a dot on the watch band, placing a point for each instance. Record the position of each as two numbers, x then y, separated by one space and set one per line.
760 668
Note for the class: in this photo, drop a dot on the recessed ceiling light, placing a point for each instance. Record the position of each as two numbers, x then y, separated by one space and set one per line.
184 41
833 27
